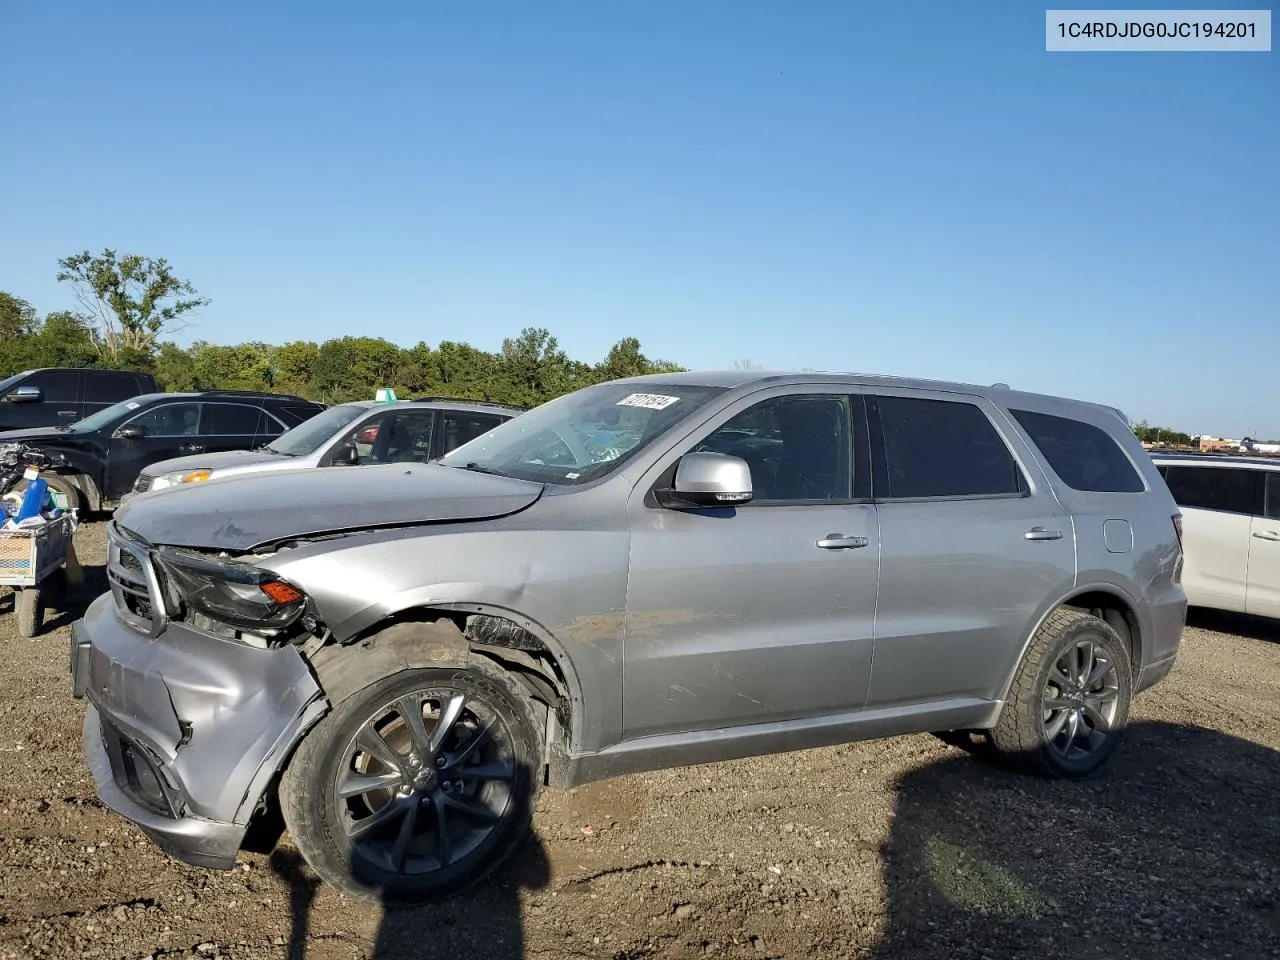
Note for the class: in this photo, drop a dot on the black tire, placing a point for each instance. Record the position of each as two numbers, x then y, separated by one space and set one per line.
29 605
1046 692
318 818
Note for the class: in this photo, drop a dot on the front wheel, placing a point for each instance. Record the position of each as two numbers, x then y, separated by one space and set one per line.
29 604
1069 702
416 786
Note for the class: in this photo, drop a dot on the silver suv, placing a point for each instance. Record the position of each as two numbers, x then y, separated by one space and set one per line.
646 573
349 434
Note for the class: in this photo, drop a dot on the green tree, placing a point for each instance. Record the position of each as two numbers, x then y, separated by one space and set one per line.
175 368
351 368
17 317
294 365
532 368
461 370
129 300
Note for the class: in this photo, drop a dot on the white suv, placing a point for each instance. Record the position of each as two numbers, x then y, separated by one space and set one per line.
1230 529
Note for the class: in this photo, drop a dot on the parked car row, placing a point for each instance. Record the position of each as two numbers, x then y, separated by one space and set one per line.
100 453
644 573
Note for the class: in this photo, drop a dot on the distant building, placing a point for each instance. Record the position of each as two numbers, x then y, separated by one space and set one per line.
1218 445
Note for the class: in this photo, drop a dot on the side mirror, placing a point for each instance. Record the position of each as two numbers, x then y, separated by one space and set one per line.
26 394
130 433
346 456
710 480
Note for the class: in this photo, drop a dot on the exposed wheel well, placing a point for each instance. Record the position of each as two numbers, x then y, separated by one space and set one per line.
510 646
1117 614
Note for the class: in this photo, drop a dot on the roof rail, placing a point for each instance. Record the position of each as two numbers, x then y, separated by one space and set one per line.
482 403
251 393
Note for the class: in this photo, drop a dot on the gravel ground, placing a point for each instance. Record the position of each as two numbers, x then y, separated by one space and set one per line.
905 848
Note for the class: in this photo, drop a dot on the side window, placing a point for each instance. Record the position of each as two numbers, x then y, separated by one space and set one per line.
107 388
404 437
169 420
57 386
268 426
460 428
1082 455
1227 489
942 448
1272 507
799 448
229 420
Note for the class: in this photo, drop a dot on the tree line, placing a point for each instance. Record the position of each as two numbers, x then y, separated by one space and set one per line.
131 306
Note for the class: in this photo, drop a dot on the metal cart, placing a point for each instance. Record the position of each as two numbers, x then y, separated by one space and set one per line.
33 562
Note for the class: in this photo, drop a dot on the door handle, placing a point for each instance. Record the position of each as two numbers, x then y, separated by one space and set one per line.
1267 535
1040 533
838 541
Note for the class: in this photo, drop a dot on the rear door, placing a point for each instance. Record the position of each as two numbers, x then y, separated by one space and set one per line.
973 544
1262 596
167 430
228 426
1217 504
102 388
457 428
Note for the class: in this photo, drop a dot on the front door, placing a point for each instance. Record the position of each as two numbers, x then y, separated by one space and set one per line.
168 430
1263 597
762 612
970 547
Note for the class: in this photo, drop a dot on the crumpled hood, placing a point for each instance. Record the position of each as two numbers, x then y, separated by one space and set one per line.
243 512
221 460
34 435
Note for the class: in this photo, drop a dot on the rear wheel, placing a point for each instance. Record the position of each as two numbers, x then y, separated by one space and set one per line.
417 785
1069 702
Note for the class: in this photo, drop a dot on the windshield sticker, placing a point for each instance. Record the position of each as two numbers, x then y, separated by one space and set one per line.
572 476
650 401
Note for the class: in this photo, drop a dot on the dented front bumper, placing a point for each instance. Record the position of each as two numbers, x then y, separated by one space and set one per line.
185 731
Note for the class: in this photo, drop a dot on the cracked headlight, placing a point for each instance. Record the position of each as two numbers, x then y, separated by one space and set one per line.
237 594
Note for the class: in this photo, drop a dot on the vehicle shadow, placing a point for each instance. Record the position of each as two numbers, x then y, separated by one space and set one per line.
1240 624
1171 853
482 921
77 597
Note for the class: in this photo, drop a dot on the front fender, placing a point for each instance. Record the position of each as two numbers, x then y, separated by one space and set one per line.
568 588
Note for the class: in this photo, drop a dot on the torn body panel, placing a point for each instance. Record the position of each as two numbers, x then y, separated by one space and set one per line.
213 716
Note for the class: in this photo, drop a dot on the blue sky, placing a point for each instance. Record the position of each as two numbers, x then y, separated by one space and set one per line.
909 188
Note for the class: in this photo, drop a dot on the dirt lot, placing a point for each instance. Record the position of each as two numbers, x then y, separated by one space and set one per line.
906 848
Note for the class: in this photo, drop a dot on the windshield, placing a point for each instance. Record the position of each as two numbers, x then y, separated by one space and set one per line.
308 436
106 416
581 436
8 382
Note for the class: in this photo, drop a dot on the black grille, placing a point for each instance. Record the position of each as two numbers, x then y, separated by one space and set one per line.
128 576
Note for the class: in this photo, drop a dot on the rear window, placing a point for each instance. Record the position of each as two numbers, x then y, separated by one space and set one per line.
942 448
1082 455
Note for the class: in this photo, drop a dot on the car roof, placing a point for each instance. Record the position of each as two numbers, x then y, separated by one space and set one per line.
1218 460
1000 393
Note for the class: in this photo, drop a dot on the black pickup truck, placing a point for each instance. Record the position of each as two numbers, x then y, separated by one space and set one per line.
59 396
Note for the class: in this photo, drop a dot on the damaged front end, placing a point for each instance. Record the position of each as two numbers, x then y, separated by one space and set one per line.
195 669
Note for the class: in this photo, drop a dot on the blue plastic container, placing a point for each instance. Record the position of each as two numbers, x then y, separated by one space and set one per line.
32 500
